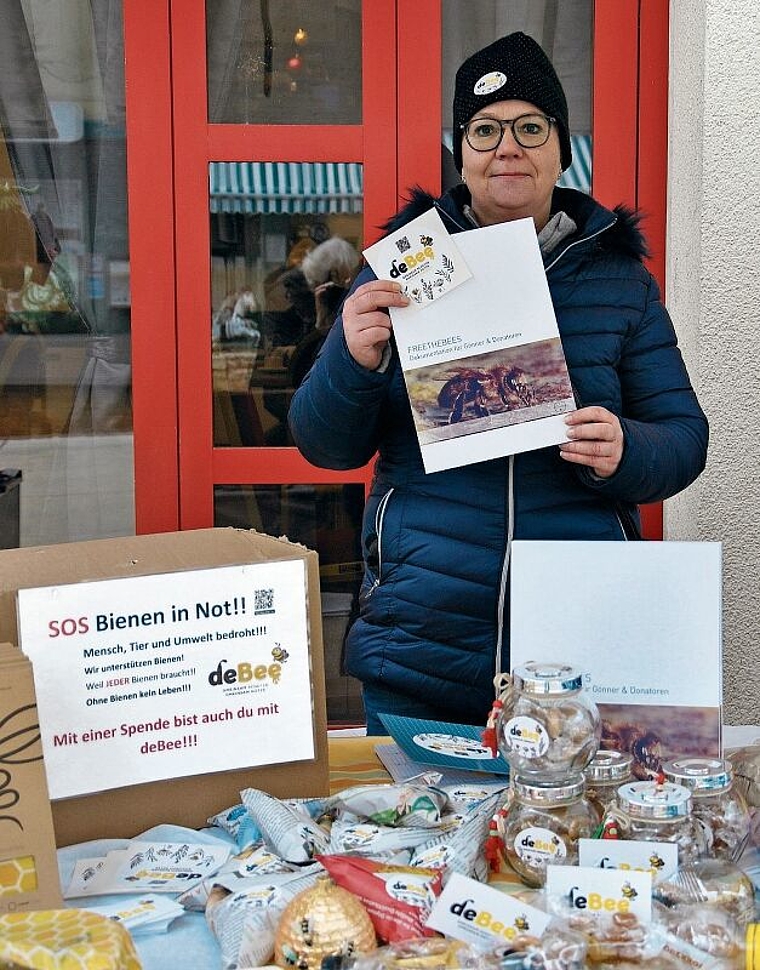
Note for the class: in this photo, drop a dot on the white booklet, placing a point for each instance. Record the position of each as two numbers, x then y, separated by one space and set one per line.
641 621
479 346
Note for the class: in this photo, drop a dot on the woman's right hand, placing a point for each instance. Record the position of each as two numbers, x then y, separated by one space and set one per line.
366 321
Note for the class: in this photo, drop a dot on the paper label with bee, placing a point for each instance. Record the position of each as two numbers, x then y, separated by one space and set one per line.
588 891
659 859
484 916
422 257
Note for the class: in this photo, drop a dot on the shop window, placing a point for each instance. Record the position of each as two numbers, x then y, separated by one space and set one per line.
285 244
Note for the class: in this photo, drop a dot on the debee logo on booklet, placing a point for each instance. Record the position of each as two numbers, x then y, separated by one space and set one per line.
422 257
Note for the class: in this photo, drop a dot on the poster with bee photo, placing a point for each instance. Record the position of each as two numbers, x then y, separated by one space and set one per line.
641 622
479 345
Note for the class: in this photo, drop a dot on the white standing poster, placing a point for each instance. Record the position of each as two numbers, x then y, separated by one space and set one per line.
479 345
144 678
641 621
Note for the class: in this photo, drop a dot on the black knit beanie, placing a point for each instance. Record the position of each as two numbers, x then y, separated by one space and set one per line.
513 67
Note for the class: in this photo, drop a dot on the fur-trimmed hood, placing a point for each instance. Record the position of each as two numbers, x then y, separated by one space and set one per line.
620 234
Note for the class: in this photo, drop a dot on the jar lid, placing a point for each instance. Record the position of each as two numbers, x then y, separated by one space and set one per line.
550 792
609 766
700 775
654 800
536 677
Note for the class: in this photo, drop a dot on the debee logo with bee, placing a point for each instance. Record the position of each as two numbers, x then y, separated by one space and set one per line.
419 259
595 891
472 912
422 256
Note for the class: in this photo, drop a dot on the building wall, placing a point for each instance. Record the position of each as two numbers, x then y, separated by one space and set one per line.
713 292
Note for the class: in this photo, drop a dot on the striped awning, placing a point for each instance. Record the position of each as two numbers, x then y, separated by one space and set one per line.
289 187
578 176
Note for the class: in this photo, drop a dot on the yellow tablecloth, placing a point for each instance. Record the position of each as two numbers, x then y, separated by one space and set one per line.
353 762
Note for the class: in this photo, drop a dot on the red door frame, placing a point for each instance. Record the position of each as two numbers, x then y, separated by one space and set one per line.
631 130
170 143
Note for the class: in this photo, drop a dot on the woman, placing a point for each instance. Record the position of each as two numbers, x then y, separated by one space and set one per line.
433 620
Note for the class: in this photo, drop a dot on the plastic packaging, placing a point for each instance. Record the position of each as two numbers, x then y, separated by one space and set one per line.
543 823
713 934
716 804
547 726
713 883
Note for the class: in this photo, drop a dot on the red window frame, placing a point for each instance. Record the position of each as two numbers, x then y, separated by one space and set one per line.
170 143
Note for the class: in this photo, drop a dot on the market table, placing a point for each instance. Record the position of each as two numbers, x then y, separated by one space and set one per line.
188 942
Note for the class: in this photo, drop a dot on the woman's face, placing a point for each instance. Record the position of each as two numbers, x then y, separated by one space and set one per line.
511 182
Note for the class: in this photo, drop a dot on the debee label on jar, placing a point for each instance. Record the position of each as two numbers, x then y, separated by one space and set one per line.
526 736
538 846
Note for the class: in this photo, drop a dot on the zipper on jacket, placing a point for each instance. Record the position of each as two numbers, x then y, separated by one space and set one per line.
622 527
379 517
505 565
577 242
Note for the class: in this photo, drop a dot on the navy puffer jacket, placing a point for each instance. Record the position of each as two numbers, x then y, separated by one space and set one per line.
433 619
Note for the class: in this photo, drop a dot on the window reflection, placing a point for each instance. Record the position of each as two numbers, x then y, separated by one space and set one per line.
322 517
285 244
65 373
295 63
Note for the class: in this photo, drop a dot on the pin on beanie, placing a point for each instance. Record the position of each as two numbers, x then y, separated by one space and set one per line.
512 68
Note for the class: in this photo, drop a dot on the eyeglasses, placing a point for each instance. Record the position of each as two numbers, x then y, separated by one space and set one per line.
529 131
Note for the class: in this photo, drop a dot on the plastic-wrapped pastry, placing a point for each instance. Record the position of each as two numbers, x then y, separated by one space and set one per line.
616 938
558 948
746 764
710 931
429 953
712 883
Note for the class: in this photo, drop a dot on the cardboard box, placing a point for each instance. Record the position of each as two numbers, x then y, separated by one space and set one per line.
28 864
189 801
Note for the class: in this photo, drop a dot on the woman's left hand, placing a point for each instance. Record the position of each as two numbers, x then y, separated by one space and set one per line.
596 440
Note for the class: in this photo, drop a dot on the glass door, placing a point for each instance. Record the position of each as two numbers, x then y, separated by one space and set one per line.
65 308
285 153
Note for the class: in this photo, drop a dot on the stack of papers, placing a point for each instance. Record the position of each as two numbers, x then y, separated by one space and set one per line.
147 867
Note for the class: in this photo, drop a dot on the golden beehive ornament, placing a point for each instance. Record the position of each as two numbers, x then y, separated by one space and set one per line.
324 920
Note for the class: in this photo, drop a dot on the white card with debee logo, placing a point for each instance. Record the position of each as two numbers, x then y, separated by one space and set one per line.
659 859
422 257
588 891
482 916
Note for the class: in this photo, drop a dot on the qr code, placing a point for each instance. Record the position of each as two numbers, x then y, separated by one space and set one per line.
403 244
263 600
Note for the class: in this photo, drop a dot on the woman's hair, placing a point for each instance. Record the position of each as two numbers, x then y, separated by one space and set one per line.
335 260
299 249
